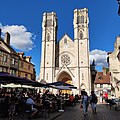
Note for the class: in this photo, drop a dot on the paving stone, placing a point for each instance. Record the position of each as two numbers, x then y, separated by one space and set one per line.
103 113
76 113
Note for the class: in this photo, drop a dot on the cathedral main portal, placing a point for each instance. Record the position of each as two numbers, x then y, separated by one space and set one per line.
65 77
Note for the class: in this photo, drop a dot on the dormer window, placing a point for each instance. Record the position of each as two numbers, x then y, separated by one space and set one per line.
100 78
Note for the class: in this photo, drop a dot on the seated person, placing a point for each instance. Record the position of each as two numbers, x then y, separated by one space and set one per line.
31 102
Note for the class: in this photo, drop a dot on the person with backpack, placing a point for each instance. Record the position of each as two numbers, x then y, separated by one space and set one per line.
93 101
85 103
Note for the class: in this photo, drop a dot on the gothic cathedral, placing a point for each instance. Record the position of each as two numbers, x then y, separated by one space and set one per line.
66 60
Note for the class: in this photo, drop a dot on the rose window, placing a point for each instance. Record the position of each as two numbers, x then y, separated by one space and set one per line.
65 59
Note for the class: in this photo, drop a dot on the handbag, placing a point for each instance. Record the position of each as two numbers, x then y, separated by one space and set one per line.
81 106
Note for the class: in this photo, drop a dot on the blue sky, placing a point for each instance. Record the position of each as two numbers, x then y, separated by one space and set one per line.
23 20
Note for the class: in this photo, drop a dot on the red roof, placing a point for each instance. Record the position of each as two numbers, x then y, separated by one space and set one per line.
102 78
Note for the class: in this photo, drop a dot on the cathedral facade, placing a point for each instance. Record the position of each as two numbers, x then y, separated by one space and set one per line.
66 60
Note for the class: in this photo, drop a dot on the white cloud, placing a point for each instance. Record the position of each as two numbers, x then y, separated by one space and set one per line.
99 56
20 38
38 77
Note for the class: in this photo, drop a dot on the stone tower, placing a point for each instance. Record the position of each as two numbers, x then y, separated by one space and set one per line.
49 31
81 41
67 60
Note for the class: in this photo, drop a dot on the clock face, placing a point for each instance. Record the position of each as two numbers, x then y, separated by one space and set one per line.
65 59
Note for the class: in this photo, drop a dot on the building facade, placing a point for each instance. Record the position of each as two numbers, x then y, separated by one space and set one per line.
12 62
26 68
102 82
66 60
114 67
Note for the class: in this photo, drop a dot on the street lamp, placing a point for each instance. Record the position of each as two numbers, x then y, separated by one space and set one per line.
119 7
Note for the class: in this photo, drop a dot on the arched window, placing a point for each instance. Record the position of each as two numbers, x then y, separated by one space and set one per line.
48 37
80 19
65 41
81 35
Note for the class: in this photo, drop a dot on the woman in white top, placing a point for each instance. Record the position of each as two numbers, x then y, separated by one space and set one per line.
31 102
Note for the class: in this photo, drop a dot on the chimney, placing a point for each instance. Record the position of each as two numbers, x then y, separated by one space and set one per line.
104 71
28 58
21 54
7 38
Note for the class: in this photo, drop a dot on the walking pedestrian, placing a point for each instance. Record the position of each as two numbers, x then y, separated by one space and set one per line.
85 103
93 101
101 98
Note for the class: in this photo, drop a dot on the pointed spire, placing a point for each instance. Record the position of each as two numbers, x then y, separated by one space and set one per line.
93 63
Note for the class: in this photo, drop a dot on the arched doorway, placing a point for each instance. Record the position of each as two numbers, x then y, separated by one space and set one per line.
65 77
